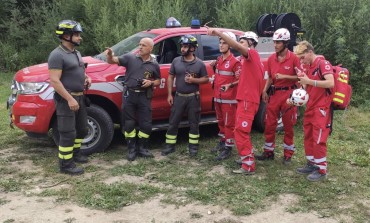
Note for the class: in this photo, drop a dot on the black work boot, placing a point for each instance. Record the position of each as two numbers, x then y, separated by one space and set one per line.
143 148
78 157
131 147
193 149
69 167
170 148
220 145
307 169
225 153
266 156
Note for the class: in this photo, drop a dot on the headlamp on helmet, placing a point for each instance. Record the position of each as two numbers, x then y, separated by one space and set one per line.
189 40
68 27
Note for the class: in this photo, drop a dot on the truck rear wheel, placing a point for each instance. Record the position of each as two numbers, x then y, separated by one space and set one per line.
100 133
259 118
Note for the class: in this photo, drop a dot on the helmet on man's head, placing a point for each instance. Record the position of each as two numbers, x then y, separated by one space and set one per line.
250 35
281 34
229 34
189 40
67 27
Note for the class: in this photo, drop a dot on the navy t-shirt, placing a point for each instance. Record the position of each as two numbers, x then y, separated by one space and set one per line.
136 69
180 68
72 66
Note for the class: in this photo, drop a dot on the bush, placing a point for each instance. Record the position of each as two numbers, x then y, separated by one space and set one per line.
336 28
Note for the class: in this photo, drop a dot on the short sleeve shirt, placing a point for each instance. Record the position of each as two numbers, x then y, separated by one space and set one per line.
318 97
180 68
283 67
136 69
72 66
251 81
227 71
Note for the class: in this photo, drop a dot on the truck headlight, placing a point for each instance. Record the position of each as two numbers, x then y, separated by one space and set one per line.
32 87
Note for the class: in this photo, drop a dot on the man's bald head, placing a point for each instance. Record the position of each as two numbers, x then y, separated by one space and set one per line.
147 41
145 47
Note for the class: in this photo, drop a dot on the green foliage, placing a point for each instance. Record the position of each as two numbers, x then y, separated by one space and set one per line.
338 29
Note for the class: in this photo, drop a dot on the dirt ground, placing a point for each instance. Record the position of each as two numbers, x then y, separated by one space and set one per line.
25 207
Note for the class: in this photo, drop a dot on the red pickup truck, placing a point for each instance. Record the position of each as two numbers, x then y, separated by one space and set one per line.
31 102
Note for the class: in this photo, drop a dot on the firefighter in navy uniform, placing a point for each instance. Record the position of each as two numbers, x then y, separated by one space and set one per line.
142 74
190 72
68 77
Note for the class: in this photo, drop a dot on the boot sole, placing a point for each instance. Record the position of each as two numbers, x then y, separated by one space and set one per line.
322 178
304 173
72 173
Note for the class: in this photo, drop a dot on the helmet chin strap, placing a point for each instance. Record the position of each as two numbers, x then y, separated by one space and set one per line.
70 40
188 51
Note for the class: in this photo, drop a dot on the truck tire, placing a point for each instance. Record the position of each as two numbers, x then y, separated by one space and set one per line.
259 118
100 133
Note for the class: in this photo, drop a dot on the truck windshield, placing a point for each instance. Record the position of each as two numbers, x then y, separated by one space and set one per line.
127 45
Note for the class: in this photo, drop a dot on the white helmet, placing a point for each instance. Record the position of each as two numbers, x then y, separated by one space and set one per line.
230 34
281 34
299 97
250 35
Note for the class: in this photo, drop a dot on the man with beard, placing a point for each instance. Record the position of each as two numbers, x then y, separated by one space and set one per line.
190 72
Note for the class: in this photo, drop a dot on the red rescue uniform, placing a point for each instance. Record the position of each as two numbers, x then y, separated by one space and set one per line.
277 102
248 95
317 116
227 71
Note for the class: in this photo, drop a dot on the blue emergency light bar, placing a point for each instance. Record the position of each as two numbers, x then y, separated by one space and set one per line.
195 24
172 23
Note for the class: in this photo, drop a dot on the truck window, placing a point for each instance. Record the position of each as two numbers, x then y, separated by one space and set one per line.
127 45
210 47
167 50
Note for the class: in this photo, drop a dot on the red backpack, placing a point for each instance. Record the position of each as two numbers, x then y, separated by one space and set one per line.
342 90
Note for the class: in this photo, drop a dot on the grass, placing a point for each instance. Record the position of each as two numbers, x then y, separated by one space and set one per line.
111 183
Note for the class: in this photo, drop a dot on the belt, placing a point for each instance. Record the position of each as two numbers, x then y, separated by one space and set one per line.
187 95
284 88
136 90
80 93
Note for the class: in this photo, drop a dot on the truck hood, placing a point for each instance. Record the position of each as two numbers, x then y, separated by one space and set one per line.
40 73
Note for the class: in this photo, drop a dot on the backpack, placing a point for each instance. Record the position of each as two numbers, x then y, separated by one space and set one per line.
342 90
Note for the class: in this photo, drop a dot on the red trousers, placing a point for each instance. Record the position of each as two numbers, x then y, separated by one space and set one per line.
245 113
316 128
277 105
225 113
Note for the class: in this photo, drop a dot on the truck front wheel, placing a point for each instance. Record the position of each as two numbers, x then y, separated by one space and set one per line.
100 131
